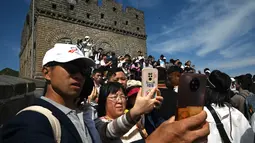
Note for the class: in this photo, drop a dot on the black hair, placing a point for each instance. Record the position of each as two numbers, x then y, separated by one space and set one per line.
127 55
244 81
95 52
113 71
161 75
86 90
237 78
97 71
105 90
173 69
247 82
249 75
169 75
253 78
218 91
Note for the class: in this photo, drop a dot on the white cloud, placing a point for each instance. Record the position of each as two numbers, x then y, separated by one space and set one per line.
226 29
218 34
233 67
236 63
207 26
235 51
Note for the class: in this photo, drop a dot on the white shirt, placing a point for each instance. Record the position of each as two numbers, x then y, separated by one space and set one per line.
102 63
241 129
253 122
97 57
97 87
162 63
121 63
140 57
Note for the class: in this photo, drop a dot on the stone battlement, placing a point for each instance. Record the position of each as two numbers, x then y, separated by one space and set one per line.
110 14
109 25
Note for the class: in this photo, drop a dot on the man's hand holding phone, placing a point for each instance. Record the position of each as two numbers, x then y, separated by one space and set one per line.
190 95
192 129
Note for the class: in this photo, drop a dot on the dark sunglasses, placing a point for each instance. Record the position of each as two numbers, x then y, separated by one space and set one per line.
73 67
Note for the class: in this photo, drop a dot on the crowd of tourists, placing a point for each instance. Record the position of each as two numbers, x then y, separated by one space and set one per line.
98 99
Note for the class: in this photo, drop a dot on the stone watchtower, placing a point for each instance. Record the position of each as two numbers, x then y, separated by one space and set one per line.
109 25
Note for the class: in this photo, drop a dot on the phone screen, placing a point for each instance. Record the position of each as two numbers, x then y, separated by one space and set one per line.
190 95
149 80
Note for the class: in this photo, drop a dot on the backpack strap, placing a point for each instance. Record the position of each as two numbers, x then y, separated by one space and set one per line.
219 125
54 122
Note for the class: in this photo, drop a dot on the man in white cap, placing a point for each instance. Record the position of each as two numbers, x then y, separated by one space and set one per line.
64 68
207 72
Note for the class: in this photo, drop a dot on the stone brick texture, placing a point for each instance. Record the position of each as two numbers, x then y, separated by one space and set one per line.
109 25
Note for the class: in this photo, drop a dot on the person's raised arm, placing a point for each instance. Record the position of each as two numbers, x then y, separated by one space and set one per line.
121 125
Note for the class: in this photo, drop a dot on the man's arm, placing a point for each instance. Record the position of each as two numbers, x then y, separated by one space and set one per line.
28 127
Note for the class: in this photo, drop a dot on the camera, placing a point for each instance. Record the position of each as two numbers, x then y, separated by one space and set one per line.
194 84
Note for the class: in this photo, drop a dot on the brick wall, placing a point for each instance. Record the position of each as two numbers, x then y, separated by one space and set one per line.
126 37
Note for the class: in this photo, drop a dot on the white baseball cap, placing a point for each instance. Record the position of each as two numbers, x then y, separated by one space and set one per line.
64 53
232 79
208 71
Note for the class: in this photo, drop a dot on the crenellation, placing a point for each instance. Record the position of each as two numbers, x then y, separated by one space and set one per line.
90 11
122 31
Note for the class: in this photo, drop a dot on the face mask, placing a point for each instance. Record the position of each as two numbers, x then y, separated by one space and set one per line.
233 87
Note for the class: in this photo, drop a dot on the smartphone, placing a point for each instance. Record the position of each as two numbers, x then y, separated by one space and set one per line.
149 80
191 95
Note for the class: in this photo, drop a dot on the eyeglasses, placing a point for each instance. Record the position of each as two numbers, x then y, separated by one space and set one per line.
117 97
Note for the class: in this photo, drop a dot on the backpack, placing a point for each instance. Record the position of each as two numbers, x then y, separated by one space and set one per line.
249 105
54 122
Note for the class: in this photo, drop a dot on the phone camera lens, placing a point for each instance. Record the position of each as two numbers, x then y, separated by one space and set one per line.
194 84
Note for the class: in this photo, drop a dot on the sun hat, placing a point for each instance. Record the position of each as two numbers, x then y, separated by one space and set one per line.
64 53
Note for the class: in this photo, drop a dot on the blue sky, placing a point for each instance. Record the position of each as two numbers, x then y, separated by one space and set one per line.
219 34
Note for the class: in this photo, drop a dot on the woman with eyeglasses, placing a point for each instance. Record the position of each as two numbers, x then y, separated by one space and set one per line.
111 105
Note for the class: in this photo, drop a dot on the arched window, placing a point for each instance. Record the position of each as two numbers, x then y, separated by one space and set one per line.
65 40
